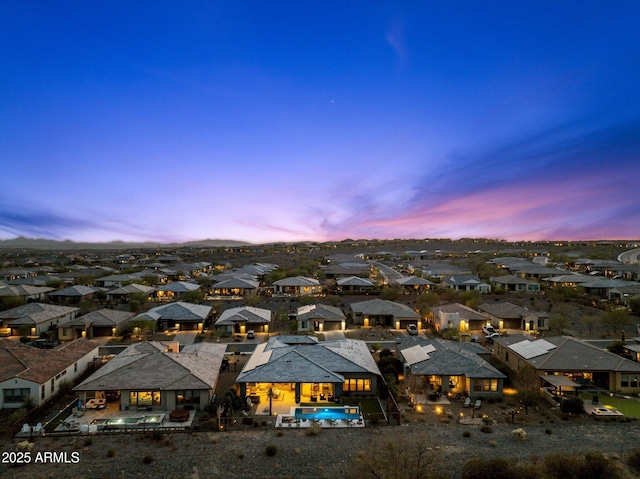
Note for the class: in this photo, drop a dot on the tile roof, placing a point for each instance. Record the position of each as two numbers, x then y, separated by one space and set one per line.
178 311
320 311
152 366
35 313
243 314
571 354
100 318
384 307
450 358
40 365
327 361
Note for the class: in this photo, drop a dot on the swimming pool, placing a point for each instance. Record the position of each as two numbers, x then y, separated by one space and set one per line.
124 422
329 413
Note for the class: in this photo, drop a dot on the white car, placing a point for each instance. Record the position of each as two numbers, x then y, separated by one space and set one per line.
490 332
412 329
251 334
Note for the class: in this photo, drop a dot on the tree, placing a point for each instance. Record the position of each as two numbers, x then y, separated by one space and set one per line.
557 322
618 318
589 321
471 299
397 459
389 293
527 383
634 305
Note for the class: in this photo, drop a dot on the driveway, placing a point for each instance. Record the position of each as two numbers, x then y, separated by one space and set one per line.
186 337
333 335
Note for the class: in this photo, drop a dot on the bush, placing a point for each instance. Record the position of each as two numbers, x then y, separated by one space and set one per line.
487 469
486 429
519 434
572 406
111 452
547 431
466 434
634 459
271 450
147 459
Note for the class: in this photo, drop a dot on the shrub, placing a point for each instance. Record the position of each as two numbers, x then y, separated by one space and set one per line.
88 441
547 431
111 452
280 434
157 435
572 406
519 434
487 469
147 459
271 450
486 429
634 459
466 434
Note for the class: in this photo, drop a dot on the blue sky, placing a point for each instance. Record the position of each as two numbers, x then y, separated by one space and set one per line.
290 121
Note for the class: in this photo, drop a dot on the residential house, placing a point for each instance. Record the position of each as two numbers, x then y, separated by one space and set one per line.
415 284
457 316
515 284
171 291
235 286
244 318
180 315
115 280
297 286
24 292
36 318
308 370
354 285
467 282
104 322
437 366
158 376
29 372
577 361
622 294
504 315
72 294
380 312
320 317
571 280
122 294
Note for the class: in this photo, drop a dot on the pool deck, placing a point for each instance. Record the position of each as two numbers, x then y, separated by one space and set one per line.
290 420
81 424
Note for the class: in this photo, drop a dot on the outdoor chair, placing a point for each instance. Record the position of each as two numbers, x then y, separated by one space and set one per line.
478 404
467 402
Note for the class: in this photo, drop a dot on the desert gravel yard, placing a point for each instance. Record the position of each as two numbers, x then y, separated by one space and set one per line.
297 454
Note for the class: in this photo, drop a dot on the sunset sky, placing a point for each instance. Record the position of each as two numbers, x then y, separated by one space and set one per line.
270 121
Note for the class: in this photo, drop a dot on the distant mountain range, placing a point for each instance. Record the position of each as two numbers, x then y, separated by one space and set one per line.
46 244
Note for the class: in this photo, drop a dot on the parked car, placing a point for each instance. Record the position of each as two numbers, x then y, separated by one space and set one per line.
412 329
490 332
251 334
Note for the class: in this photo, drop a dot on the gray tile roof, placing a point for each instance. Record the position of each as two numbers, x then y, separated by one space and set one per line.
451 358
378 307
244 314
179 311
571 355
320 311
100 318
283 360
150 366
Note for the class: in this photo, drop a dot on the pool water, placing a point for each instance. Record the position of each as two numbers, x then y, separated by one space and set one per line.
128 421
335 413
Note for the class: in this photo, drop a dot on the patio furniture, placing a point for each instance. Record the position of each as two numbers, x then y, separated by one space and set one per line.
95 403
26 428
477 404
179 415
467 402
